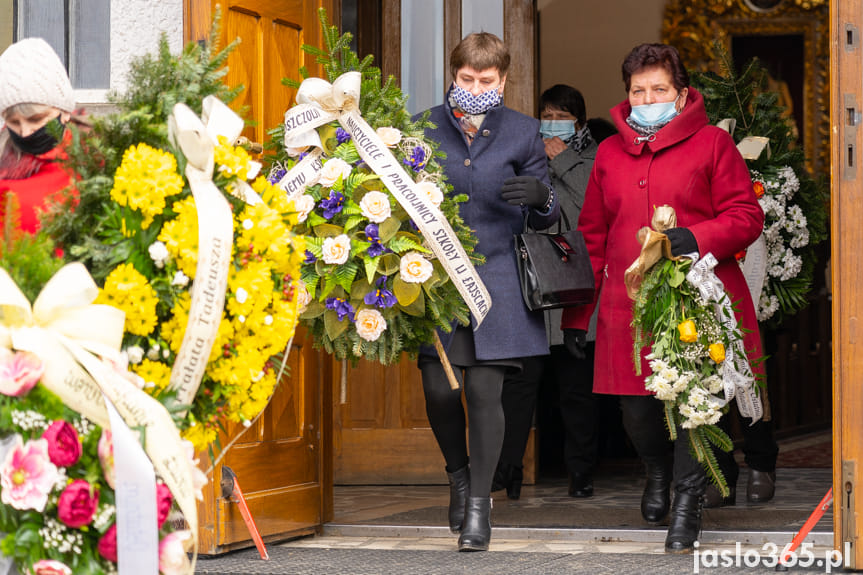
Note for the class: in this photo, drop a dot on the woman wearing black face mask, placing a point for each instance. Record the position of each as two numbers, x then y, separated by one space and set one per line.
36 103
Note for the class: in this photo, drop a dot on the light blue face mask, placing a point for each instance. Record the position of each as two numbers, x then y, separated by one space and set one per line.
563 129
648 115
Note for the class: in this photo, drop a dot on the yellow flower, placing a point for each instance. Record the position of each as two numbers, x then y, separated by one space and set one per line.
180 236
153 372
688 332
129 291
200 436
716 352
144 179
232 160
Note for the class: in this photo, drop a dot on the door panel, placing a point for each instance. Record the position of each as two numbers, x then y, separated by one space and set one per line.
282 461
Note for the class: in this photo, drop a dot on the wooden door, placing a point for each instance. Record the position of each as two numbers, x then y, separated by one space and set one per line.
282 462
846 79
381 432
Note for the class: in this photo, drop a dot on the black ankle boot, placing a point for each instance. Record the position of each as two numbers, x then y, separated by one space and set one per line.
685 523
459 487
476 533
656 500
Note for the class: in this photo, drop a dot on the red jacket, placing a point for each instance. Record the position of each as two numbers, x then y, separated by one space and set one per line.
34 191
696 169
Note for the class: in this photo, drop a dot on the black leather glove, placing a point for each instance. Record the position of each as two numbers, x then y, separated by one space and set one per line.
575 341
526 191
682 241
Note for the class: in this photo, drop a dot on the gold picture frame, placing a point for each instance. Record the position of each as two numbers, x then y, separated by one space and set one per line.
693 26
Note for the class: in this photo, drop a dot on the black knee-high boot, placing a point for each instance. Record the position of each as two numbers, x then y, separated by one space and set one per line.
476 533
459 489
656 499
690 482
644 422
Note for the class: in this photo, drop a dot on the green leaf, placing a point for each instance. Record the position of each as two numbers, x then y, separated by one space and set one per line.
313 310
371 265
327 230
388 228
389 264
417 307
333 326
406 292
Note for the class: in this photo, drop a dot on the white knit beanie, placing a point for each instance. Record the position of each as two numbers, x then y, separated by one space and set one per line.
32 73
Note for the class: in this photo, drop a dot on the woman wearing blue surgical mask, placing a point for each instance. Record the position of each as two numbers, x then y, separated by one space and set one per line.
666 153
495 156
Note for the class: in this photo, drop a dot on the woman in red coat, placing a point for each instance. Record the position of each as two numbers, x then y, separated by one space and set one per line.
36 102
666 153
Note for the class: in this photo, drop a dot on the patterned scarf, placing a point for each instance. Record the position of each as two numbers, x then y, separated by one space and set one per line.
580 140
645 131
469 123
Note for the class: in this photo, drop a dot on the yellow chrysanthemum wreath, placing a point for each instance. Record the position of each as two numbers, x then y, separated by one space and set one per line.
152 287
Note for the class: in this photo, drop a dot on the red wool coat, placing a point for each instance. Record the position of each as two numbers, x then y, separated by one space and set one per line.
696 169
35 191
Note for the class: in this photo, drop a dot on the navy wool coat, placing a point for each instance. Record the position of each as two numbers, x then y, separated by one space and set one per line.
506 145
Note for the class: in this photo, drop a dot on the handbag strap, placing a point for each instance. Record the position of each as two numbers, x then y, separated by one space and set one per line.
526 228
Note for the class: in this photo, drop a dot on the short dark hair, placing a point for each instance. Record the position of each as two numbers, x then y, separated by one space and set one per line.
480 51
653 55
567 98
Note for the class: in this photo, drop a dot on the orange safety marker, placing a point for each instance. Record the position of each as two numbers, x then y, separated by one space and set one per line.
807 527
231 490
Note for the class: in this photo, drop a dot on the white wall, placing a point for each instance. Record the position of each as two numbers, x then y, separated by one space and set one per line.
583 43
136 26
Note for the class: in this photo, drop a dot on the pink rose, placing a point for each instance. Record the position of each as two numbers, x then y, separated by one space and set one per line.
172 553
19 373
50 567
106 456
27 475
77 504
107 546
64 447
163 501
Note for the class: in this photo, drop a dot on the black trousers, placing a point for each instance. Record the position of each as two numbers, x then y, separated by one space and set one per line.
485 428
573 378
644 421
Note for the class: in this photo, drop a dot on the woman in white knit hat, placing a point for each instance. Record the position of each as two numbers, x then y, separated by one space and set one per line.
36 102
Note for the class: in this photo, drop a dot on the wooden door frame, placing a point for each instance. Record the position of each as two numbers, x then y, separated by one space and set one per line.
846 97
522 94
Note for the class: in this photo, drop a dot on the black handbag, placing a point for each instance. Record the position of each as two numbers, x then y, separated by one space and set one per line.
553 268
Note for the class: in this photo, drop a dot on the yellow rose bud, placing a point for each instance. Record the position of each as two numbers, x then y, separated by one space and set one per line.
688 333
716 352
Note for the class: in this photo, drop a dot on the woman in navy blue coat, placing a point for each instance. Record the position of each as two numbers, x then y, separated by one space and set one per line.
496 156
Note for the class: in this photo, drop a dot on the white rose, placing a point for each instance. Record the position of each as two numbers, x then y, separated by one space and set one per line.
135 354
153 352
390 136
415 268
159 254
304 206
337 250
370 324
376 206
303 297
180 279
432 191
331 171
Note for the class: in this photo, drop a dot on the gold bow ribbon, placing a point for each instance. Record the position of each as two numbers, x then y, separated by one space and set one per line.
654 246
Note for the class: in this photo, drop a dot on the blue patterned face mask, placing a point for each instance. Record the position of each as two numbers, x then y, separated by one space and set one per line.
563 129
475 104
648 115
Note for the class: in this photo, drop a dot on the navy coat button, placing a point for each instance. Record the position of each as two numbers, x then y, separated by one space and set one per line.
486 132
467 162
